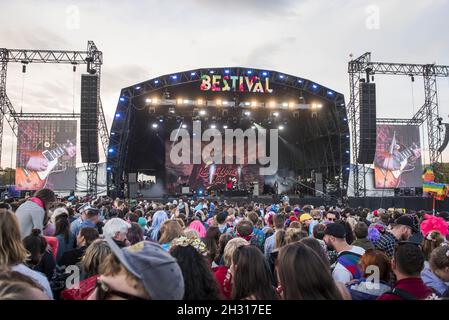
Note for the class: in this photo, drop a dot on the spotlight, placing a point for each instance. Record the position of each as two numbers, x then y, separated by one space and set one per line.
225 103
122 99
264 73
319 106
213 126
156 81
179 101
227 71
148 101
225 126
117 115
212 72
276 114
193 74
171 110
138 88
285 104
174 77
155 125
184 126
272 104
247 113
249 72
281 76
202 112
254 104
253 127
111 150
186 101
281 127
161 120
200 102
154 100
291 104
247 103
218 102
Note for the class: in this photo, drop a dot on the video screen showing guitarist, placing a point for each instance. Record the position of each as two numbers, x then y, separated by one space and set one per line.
46 154
397 163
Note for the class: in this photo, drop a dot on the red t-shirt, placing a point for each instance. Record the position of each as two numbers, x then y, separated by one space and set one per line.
223 276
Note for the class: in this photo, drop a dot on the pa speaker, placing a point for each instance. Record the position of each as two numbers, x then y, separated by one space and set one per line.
367 129
89 118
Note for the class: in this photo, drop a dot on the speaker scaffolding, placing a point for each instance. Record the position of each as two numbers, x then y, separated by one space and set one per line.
92 57
361 69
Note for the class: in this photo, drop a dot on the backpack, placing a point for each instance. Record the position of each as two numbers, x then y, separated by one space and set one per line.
403 294
349 260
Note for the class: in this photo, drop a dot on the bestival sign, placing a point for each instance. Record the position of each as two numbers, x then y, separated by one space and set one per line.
235 84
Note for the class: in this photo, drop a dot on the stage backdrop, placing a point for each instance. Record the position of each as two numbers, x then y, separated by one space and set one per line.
46 154
208 176
397 163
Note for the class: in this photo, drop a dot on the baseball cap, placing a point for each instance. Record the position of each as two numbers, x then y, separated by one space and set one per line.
336 230
405 221
156 268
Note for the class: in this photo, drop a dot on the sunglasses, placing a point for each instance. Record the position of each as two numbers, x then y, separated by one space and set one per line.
103 292
331 219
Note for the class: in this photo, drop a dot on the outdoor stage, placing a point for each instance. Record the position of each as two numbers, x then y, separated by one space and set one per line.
153 117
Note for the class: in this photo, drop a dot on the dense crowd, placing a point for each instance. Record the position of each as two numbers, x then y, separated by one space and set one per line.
96 249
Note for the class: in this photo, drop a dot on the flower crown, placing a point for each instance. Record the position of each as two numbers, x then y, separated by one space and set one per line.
195 243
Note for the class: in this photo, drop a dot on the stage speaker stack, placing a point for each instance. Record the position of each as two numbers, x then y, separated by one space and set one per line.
89 118
367 129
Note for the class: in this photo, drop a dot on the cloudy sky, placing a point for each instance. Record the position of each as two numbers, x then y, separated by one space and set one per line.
144 39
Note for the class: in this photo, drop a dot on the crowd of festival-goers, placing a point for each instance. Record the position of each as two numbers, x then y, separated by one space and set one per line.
83 249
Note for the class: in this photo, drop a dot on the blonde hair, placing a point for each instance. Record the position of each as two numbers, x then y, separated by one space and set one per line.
230 248
191 234
12 250
95 254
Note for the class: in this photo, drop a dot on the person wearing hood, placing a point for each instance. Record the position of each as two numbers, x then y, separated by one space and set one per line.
436 274
365 289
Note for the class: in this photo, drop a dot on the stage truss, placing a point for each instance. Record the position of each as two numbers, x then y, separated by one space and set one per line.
92 57
362 69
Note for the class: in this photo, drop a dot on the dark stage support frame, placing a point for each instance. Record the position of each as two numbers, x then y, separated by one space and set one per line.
362 69
92 57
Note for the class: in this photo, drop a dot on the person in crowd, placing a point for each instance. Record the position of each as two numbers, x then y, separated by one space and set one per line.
117 229
401 231
199 281
376 270
297 260
222 221
158 219
66 240
211 241
89 218
434 230
85 237
170 230
331 217
40 259
13 254
270 242
17 286
258 238
33 213
135 233
407 264
436 274
252 279
95 254
199 227
346 267
361 235
307 221
222 242
143 271
294 235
